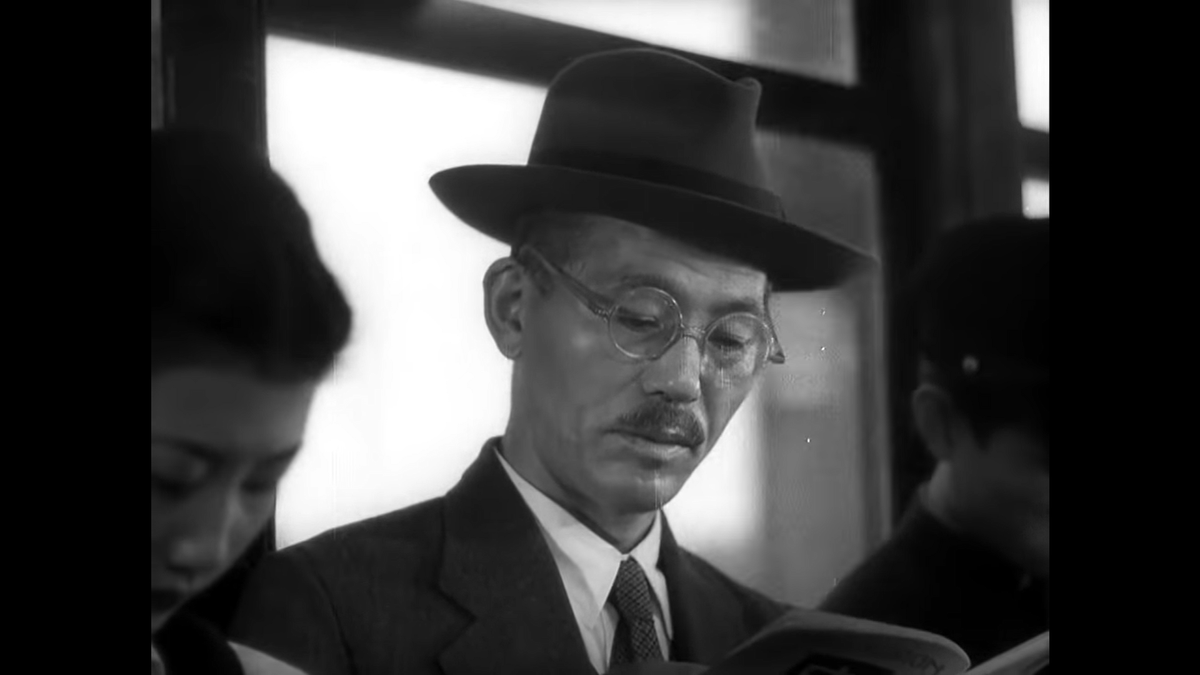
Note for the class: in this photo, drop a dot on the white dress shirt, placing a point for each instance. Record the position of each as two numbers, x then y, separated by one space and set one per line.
588 566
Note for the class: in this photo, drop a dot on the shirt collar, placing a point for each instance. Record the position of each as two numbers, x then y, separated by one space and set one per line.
588 564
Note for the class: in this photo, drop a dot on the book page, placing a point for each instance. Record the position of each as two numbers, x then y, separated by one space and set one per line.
1028 658
817 643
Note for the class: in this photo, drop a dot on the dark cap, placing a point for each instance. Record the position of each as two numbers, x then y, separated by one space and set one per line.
981 300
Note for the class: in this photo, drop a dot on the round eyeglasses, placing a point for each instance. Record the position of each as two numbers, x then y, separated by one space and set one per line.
645 322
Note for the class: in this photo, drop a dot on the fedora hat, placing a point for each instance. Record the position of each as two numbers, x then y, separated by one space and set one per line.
660 141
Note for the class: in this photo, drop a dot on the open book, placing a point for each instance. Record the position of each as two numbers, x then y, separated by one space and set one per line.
1029 658
818 643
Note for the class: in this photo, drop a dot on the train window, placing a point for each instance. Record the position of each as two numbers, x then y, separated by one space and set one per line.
1036 196
1031 32
808 37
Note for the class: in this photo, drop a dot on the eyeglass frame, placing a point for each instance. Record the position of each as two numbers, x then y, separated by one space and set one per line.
605 308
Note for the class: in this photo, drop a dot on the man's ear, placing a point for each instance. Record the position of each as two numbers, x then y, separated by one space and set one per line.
934 416
504 296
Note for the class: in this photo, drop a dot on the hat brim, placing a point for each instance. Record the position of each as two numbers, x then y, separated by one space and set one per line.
491 198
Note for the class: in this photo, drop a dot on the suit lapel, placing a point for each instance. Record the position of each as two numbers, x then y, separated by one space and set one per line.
706 616
497 566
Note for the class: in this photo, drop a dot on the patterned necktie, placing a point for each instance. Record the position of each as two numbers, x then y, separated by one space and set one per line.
636 640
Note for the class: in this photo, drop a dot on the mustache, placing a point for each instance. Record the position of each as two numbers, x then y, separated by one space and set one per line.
658 419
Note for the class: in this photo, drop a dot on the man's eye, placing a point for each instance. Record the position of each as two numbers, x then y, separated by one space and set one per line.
261 487
639 323
171 487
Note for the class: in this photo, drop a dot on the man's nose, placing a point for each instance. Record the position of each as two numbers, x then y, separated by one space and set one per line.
676 374
205 543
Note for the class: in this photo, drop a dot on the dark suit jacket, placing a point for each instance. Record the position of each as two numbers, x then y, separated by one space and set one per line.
189 646
930 578
463 584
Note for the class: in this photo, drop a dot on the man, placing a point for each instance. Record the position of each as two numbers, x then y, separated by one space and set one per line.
971 560
634 309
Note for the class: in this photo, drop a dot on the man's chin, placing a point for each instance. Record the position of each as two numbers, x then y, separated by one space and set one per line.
648 491
642 477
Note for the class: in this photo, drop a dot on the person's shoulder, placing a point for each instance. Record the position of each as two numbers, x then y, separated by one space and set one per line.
416 524
255 662
893 581
400 544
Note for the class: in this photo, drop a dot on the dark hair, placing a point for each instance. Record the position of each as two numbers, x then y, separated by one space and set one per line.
560 237
980 306
234 269
989 406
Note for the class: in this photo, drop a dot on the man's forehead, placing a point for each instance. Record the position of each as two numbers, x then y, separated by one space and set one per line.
621 248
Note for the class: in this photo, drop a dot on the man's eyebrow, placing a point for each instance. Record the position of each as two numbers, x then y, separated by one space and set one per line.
659 281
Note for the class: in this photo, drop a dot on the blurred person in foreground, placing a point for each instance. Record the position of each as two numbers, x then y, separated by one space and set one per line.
971 559
245 321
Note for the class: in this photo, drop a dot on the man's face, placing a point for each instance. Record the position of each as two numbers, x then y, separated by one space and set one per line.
608 433
1009 478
